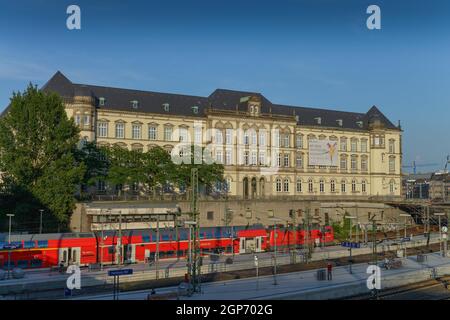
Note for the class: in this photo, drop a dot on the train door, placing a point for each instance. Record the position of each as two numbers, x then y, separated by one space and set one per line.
258 244
242 245
130 253
69 256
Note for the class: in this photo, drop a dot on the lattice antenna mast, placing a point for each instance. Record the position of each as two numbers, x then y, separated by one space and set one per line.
195 279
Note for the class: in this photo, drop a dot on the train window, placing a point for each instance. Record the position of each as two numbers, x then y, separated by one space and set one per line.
170 253
111 249
43 244
202 235
165 237
183 235
36 263
11 264
17 244
22 264
2 244
180 253
29 244
217 234
146 238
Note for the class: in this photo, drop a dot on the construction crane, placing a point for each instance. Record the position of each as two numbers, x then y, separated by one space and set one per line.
415 166
446 164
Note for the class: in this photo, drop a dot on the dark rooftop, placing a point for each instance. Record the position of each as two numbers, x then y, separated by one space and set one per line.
177 104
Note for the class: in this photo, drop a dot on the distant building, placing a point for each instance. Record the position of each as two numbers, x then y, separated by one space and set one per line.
440 186
416 186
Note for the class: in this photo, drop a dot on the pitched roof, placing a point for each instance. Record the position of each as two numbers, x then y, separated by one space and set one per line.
152 102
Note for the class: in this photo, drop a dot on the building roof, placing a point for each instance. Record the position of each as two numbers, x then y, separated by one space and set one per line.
222 99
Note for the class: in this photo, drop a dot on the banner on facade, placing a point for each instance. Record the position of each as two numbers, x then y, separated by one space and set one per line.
323 153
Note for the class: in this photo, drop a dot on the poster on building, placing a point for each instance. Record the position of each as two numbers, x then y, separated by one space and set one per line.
323 153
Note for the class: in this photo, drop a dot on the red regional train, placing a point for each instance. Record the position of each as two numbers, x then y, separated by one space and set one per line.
56 249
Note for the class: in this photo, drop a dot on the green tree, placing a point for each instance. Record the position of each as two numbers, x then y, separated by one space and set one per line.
208 174
125 166
37 146
95 160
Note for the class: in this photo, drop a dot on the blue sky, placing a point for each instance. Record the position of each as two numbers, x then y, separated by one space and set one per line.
315 53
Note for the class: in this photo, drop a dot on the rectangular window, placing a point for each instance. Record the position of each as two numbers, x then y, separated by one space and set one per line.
343 144
364 164
262 138
77 119
299 185
246 158
102 129
363 145
227 156
152 133
86 120
262 158
299 141
391 146
286 160
136 131
279 160
120 130
198 135
168 133
219 137
286 140
219 156
210 215
343 163
229 136
353 163
183 135
354 145
253 159
299 160
392 164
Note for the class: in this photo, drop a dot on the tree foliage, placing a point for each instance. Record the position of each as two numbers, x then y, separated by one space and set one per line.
37 145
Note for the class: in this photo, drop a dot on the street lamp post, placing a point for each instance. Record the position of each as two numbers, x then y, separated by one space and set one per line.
40 220
9 215
406 216
191 287
350 249
275 220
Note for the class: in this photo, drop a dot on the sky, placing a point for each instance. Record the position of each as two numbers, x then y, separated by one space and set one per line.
315 53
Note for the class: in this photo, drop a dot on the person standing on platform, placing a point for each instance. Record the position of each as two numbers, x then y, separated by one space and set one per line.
329 271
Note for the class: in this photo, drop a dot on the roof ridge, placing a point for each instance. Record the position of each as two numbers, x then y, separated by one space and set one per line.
139 90
321 109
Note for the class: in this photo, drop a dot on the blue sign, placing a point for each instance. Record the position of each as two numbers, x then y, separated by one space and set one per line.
406 239
67 292
11 246
120 272
349 244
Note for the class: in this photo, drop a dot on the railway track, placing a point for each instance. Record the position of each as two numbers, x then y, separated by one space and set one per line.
433 289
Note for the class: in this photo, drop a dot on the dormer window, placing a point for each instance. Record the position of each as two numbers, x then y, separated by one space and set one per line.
318 120
340 122
101 101
195 109
135 104
359 124
166 107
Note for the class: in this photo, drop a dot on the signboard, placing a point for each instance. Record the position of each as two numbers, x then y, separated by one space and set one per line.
11 246
67 292
444 229
323 153
349 244
406 239
120 272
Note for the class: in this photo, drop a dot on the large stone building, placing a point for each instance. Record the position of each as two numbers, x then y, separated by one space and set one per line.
246 131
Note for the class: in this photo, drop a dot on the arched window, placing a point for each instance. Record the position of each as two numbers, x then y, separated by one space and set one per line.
286 185
321 186
343 186
246 140
353 185
333 186
363 186
391 164
299 160
392 186
278 185
310 186
343 162
299 185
